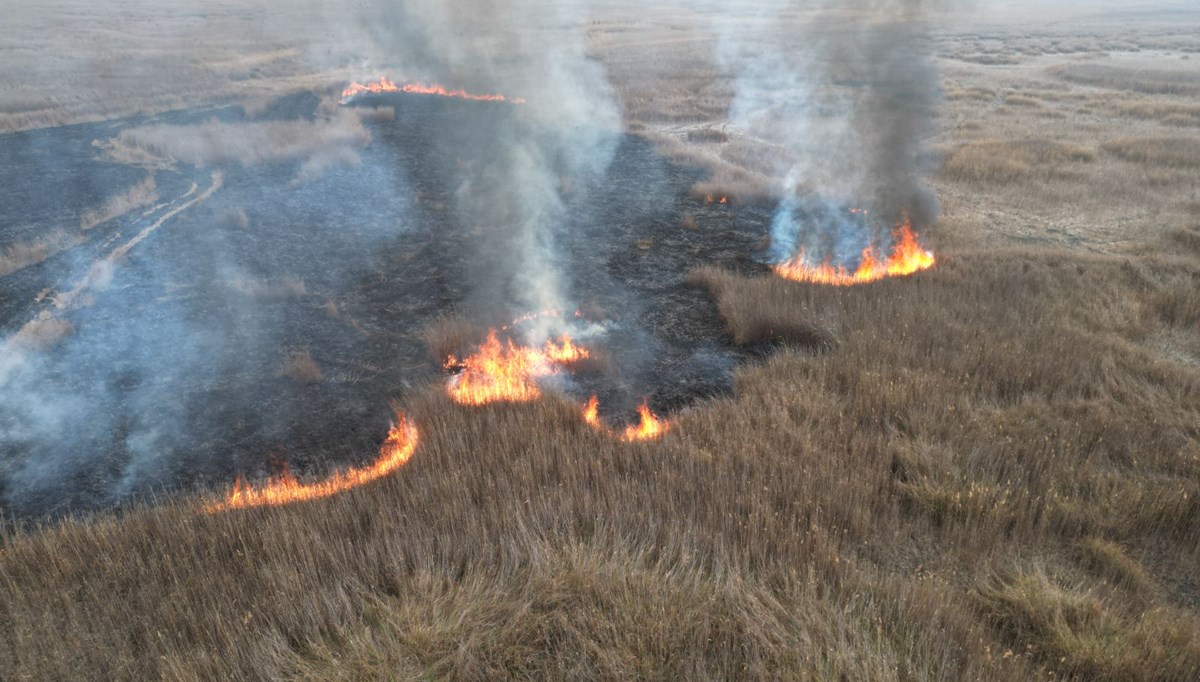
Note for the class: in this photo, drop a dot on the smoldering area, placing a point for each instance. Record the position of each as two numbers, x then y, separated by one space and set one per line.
277 320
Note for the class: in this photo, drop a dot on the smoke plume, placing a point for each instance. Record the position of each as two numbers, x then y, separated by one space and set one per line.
850 101
561 140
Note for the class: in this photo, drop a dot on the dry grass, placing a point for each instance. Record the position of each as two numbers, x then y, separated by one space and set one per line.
1083 636
1112 563
993 474
1185 82
21 255
142 194
763 311
1166 112
451 335
300 367
996 161
999 405
1161 152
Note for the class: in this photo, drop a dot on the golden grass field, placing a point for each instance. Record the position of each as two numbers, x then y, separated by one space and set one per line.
991 471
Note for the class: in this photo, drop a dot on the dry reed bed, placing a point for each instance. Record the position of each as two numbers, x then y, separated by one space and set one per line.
971 423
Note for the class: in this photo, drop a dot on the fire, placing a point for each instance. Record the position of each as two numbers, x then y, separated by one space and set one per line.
385 85
710 198
649 427
907 257
591 413
508 372
395 452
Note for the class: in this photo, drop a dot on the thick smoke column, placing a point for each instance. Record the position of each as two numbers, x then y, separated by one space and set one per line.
851 101
563 138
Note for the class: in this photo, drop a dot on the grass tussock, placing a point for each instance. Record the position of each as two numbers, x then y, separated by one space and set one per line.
707 135
451 335
1112 563
754 316
1184 82
1022 101
1161 152
142 194
1166 112
1080 635
299 366
42 332
996 161
17 257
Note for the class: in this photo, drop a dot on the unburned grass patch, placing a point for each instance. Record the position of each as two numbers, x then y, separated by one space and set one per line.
996 161
1079 634
1113 563
1166 112
1149 81
755 316
707 135
451 335
1160 152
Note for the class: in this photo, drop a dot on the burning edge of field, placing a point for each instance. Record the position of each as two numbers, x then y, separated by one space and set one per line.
906 256
497 372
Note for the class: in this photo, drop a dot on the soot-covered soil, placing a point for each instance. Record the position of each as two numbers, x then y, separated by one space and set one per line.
176 373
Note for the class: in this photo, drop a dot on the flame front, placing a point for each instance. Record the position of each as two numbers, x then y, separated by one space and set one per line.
385 85
395 452
649 426
506 372
591 413
907 257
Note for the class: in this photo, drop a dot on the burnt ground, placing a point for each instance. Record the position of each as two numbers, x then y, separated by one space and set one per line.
172 377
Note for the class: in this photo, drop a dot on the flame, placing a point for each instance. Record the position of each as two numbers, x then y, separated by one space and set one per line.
649 427
508 372
385 85
591 413
395 452
907 257
710 198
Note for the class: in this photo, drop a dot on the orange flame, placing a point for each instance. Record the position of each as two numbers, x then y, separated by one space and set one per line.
385 85
649 427
709 198
591 413
907 257
395 452
508 372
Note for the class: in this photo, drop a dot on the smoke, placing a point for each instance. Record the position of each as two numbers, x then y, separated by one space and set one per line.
562 140
850 101
165 340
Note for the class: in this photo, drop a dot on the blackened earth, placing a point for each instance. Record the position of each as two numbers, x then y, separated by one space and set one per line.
172 377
